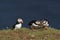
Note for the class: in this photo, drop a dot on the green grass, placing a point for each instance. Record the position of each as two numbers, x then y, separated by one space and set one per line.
27 34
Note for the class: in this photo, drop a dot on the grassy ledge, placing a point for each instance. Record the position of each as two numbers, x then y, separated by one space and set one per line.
27 34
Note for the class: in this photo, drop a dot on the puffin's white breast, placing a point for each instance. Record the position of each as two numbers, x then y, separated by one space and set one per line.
18 26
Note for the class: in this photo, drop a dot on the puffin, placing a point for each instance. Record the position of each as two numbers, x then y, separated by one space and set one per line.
34 24
45 24
18 24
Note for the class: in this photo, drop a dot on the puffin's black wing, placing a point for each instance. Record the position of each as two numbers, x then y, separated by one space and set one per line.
30 23
13 26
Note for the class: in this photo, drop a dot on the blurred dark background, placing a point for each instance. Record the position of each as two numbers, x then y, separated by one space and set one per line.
10 10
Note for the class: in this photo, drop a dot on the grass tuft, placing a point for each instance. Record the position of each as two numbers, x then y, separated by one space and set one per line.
28 34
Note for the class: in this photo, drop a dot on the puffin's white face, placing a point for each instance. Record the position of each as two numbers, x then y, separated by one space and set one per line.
20 20
37 22
45 23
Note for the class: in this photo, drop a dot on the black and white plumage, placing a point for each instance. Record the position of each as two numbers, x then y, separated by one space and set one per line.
18 24
33 21
33 24
45 22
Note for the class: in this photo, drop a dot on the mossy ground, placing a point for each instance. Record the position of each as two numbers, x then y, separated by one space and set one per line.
28 34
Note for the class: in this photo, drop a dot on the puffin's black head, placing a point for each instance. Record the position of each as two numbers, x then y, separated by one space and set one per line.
19 20
45 19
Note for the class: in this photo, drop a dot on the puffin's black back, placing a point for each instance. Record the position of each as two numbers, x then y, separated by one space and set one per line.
17 22
30 23
13 26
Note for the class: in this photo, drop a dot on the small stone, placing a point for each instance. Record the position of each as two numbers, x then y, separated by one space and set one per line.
31 39
32 36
